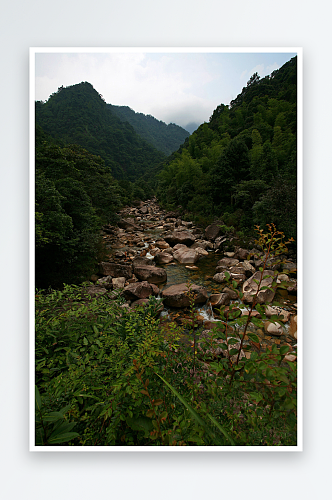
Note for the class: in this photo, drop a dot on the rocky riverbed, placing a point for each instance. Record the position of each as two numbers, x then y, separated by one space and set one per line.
154 252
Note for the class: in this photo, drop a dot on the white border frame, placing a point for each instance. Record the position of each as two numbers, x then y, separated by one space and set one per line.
32 52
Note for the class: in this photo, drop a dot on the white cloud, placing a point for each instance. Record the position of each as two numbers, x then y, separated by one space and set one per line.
173 87
272 67
257 69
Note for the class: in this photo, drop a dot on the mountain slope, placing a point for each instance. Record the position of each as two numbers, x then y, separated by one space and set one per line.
78 114
165 138
242 163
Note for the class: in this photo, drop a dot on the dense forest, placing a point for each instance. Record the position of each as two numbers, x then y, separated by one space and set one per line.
241 166
165 138
110 370
79 115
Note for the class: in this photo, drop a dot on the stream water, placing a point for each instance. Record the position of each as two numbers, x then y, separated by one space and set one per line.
202 274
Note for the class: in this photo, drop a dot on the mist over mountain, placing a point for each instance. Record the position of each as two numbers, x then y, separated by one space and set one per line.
165 138
191 127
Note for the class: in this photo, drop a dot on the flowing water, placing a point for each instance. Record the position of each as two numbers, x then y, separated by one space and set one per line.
202 274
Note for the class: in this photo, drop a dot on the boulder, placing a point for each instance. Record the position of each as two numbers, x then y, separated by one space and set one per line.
163 258
282 314
140 290
240 277
201 252
202 244
282 277
178 246
227 262
116 270
247 267
219 299
106 282
290 266
186 255
142 261
213 231
151 274
128 225
162 244
177 295
241 254
231 293
118 282
273 328
184 237
219 242
250 287
219 277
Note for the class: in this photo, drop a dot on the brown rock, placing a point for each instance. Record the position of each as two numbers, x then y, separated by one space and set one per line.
231 293
163 258
219 277
213 231
116 270
162 244
202 244
151 274
128 225
177 295
219 299
250 288
118 282
140 290
227 262
142 261
273 328
184 237
241 254
282 314
186 256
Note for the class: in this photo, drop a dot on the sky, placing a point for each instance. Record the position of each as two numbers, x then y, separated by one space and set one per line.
175 87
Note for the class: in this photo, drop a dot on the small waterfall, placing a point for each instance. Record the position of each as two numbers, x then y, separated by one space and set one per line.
207 313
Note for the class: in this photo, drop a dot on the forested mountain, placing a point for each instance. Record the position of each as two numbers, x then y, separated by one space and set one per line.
79 115
242 164
75 194
165 138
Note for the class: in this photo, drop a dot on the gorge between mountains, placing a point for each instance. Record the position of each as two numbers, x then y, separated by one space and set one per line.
154 253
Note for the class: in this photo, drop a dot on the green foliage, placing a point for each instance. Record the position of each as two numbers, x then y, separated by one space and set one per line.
122 378
241 159
165 138
78 115
75 195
